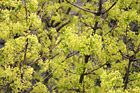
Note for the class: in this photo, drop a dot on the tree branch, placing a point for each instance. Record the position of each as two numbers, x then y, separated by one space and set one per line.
26 46
25 9
62 26
19 18
44 9
69 55
95 69
6 85
48 75
127 75
110 30
100 7
123 54
81 8
83 74
109 7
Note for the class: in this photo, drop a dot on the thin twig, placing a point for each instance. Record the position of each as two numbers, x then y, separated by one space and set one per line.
62 26
69 55
135 59
110 30
54 56
81 7
26 46
48 75
95 69
44 9
89 26
69 71
6 85
19 18
110 7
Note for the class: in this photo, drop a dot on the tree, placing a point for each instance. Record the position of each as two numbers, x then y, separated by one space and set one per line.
64 46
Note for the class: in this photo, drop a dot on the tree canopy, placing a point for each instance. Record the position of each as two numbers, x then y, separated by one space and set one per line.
70 46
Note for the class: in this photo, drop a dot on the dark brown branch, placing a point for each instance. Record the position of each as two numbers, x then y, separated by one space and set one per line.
62 26
127 75
97 14
57 24
69 55
95 69
100 7
19 18
77 90
26 46
45 54
83 87
54 56
89 26
83 74
110 30
95 27
81 8
68 11
109 7
69 71
49 75
123 54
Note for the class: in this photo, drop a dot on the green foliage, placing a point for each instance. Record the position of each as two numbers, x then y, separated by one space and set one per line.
70 46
